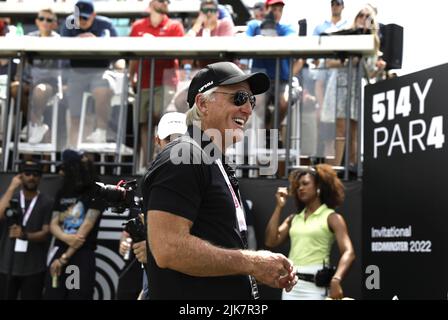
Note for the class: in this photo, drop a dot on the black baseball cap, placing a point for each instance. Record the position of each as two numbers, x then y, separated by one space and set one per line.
71 156
31 166
222 74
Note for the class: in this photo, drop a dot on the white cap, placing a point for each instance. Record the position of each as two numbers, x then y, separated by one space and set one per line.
171 123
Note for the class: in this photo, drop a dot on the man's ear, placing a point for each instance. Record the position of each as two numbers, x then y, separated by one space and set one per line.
157 140
201 102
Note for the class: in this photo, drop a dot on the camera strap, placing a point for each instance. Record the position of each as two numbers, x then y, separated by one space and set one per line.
27 214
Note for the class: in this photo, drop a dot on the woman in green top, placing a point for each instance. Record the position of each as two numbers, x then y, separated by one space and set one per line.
317 192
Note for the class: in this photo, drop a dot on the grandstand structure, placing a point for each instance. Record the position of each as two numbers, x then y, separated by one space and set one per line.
227 48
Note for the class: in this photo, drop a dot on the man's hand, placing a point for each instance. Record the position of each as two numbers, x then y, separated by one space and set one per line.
16 182
87 35
274 270
15 231
75 240
140 251
124 246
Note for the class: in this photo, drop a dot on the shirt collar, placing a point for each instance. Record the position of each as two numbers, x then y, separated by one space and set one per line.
205 142
161 24
316 213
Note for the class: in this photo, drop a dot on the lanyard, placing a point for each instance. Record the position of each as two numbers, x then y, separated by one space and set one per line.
239 211
30 208
241 223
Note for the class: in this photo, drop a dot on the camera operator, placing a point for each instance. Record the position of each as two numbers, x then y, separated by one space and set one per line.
24 248
75 225
171 126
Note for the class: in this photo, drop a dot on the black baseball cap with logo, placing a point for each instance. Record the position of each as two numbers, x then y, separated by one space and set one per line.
31 166
222 74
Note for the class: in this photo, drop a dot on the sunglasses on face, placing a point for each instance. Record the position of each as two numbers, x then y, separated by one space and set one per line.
209 10
240 98
364 15
32 173
42 19
84 18
164 1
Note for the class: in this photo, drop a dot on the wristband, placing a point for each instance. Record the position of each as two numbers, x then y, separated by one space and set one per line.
336 278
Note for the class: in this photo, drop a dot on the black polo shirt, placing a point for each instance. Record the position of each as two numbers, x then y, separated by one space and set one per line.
34 260
199 193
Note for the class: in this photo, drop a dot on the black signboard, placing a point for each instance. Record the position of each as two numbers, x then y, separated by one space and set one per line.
405 190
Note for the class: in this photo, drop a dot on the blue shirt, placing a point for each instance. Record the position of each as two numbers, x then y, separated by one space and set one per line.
268 65
101 27
223 12
328 26
98 27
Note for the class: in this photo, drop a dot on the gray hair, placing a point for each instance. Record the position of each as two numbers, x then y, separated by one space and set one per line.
195 115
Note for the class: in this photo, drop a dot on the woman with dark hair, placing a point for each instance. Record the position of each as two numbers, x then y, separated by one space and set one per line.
75 225
317 192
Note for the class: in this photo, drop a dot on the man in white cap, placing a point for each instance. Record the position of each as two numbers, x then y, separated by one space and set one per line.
171 126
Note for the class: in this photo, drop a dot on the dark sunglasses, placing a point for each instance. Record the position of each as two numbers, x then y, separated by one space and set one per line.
362 15
32 173
163 1
209 10
240 98
84 18
49 20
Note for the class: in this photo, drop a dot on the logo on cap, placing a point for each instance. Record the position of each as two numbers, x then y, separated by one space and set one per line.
205 86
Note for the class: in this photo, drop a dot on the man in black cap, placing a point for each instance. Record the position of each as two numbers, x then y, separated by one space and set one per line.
196 227
23 250
88 75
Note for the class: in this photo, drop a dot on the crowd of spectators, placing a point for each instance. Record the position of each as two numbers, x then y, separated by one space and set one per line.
43 79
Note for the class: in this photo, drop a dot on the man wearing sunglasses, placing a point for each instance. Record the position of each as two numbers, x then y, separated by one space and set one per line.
89 75
335 23
208 22
197 229
24 235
